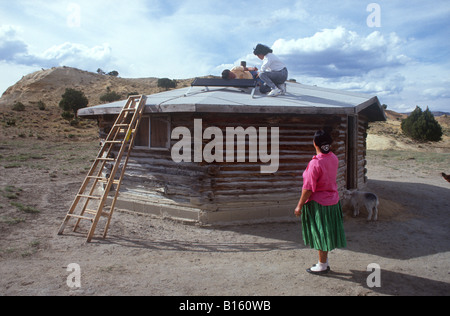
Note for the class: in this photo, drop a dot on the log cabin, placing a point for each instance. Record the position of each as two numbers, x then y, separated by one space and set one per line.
187 164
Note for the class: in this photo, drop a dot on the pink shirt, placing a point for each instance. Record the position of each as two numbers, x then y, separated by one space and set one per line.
320 178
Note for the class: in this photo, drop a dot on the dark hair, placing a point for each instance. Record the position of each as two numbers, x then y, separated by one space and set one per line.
262 50
225 73
323 140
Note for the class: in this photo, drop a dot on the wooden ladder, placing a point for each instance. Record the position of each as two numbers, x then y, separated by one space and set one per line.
101 178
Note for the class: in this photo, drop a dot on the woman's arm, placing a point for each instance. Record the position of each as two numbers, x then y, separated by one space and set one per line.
306 194
266 64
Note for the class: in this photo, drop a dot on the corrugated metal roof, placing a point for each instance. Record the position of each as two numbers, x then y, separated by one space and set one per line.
299 99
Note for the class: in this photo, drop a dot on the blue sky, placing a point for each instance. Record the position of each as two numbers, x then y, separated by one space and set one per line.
402 54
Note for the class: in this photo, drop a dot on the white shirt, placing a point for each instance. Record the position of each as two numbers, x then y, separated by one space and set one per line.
272 63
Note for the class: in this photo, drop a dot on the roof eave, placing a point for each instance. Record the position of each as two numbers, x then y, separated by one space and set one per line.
93 112
372 109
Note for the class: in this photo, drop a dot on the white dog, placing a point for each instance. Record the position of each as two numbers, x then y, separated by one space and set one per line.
359 199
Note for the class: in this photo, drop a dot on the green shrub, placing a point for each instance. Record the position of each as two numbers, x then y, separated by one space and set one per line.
74 122
422 126
166 83
113 73
41 105
67 115
11 122
110 97
18 106
132 93
73 100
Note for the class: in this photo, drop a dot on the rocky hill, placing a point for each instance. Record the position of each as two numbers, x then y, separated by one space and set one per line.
48 86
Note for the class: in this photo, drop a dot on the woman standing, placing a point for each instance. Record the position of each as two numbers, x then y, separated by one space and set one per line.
273 71
319 206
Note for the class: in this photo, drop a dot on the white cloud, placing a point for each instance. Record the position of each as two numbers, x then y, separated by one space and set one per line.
79 54
10 44
340 52
14 50
7 32
437 92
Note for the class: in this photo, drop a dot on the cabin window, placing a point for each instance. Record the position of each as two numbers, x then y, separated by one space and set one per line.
154 132
143 134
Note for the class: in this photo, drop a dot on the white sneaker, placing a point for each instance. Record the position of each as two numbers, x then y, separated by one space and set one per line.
274 93
282 87
319 268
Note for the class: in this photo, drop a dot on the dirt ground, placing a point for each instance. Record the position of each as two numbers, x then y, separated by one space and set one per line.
147 256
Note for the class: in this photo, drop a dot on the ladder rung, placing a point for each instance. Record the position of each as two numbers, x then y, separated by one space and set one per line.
106 159
113 142
95 177
106 181
81 217
129 110
124 130
121 125
90 197
103 179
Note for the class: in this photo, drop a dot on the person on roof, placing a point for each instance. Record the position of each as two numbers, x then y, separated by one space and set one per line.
273 71
240 72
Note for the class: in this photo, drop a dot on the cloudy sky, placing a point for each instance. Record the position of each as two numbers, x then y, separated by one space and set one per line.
397 50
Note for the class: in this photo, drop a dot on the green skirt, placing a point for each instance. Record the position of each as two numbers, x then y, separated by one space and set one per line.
323 226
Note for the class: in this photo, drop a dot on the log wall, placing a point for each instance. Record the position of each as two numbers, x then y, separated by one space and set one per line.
224 186
362 152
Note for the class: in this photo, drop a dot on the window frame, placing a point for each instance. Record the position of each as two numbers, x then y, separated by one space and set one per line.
166 118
